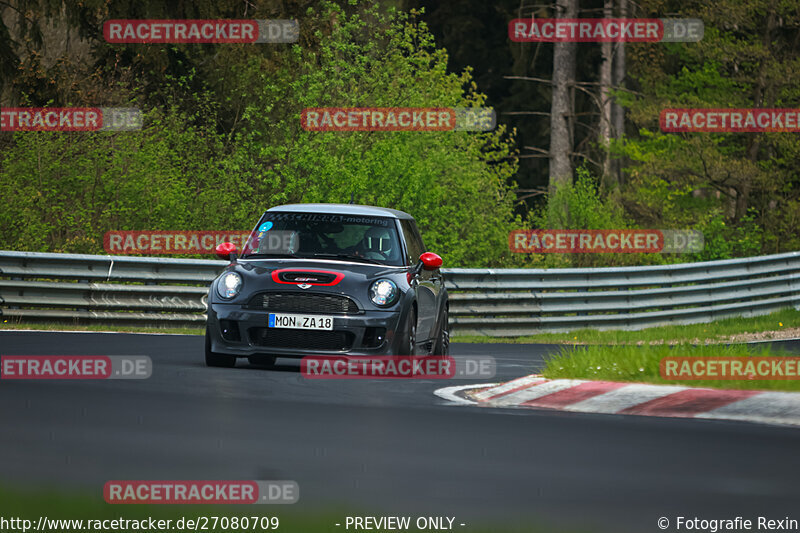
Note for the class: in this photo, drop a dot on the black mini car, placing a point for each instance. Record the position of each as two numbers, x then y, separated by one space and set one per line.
338 279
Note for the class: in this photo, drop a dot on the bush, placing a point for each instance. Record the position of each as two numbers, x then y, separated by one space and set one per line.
184 171
580 206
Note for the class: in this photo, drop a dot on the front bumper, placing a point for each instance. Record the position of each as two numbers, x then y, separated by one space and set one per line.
234 330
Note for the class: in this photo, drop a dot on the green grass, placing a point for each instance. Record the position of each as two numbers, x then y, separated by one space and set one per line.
641 364
697 333
30 504
712 332
69 326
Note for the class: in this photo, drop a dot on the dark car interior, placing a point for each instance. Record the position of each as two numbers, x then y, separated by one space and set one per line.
367 241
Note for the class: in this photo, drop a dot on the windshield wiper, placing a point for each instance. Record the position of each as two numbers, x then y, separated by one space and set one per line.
351 257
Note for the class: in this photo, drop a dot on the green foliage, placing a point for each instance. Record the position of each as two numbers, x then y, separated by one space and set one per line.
63 191
580 205
185 171
222 138
455 183
740 189
724 241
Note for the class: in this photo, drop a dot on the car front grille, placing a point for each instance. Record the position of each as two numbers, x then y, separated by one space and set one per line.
293 302
335 341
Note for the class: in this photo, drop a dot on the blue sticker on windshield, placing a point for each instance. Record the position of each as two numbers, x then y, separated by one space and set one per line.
266 226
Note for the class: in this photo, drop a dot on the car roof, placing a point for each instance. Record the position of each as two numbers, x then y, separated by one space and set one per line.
342 209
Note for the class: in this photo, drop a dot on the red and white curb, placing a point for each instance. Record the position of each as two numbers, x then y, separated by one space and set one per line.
582 396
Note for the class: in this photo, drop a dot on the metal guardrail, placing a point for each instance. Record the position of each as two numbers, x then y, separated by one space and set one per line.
494 302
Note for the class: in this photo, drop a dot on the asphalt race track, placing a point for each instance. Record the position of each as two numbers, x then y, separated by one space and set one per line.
379 447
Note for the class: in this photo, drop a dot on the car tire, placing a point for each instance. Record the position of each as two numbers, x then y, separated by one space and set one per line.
409 334
267 361
442 346
218 359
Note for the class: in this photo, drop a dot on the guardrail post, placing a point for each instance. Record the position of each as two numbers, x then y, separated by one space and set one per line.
583 313
15 278
86 281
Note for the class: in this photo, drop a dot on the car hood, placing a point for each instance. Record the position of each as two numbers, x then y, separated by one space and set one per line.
343 277
365 271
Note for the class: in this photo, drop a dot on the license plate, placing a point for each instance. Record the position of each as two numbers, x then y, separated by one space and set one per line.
292 321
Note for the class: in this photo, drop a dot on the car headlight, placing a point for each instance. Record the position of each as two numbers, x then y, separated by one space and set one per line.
230 285
383 292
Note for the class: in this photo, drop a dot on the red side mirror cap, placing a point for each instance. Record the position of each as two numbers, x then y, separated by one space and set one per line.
225 250
430 261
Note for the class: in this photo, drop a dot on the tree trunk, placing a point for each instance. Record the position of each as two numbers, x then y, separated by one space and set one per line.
608 178
561 106
764 97
617 111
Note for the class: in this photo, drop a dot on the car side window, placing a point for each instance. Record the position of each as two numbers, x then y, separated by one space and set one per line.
413 241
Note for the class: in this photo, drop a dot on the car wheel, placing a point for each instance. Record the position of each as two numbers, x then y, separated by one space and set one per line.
442 346
409 334
218 359
262 360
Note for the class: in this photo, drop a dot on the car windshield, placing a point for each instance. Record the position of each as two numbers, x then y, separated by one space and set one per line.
326 236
